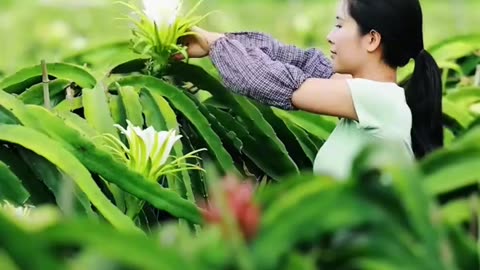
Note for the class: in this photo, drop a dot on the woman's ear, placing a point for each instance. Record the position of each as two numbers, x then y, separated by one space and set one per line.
373 40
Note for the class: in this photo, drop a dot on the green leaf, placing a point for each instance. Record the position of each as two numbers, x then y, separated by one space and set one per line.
117 110
248 145
160 115
100 161
241 107
134 65
456 113
55 153
34 94
470 64
269 195
6 262
266 133
375 264
291 142
457 161
459 211
393 183
315 124
69 198
7 117
187 108
463 248
465 96
197 178
448 137
449 49
411 194
300 262
306 143
78 123
404 194
96 110
447 65
131 105
134 250
27 77
306 210
12 189
152 109
455 47
444 166
69 105
39 193
26 250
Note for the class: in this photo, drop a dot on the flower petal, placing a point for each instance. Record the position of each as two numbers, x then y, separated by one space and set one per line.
172 139
138 153
122 130
162 12
160 139
149 139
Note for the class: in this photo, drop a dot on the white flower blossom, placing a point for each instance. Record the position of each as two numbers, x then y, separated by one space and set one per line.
148 149
162 12
157 27
20 212
29 217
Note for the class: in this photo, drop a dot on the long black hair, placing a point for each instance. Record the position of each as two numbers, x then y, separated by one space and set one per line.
400 24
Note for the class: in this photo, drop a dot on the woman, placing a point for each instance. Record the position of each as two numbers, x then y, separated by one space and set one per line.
371 39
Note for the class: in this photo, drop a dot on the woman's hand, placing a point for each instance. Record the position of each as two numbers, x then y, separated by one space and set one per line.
198 44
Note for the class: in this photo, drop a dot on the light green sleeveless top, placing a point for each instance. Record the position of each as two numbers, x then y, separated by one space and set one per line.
383 114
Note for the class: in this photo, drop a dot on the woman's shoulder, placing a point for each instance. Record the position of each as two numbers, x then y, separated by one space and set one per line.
380 105
375 85
376 92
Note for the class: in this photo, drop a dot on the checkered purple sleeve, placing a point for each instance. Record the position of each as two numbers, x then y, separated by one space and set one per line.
252 73
311 61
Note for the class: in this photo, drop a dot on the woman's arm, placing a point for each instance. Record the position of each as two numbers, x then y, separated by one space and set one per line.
325 96
251 72
311 61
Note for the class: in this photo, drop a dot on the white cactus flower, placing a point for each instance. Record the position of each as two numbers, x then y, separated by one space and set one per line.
148 153
162 12
148 150
157 27
29 217
20 212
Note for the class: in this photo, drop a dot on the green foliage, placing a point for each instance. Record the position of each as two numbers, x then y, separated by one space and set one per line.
389 214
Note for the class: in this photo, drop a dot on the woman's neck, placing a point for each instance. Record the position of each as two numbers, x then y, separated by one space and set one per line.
377 72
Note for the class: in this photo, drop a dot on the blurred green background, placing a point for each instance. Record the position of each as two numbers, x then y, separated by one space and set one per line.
52 29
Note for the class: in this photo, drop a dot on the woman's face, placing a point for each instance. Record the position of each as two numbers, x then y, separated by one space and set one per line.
347 45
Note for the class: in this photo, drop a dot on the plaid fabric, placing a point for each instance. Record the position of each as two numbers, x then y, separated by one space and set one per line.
311 61
259 67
